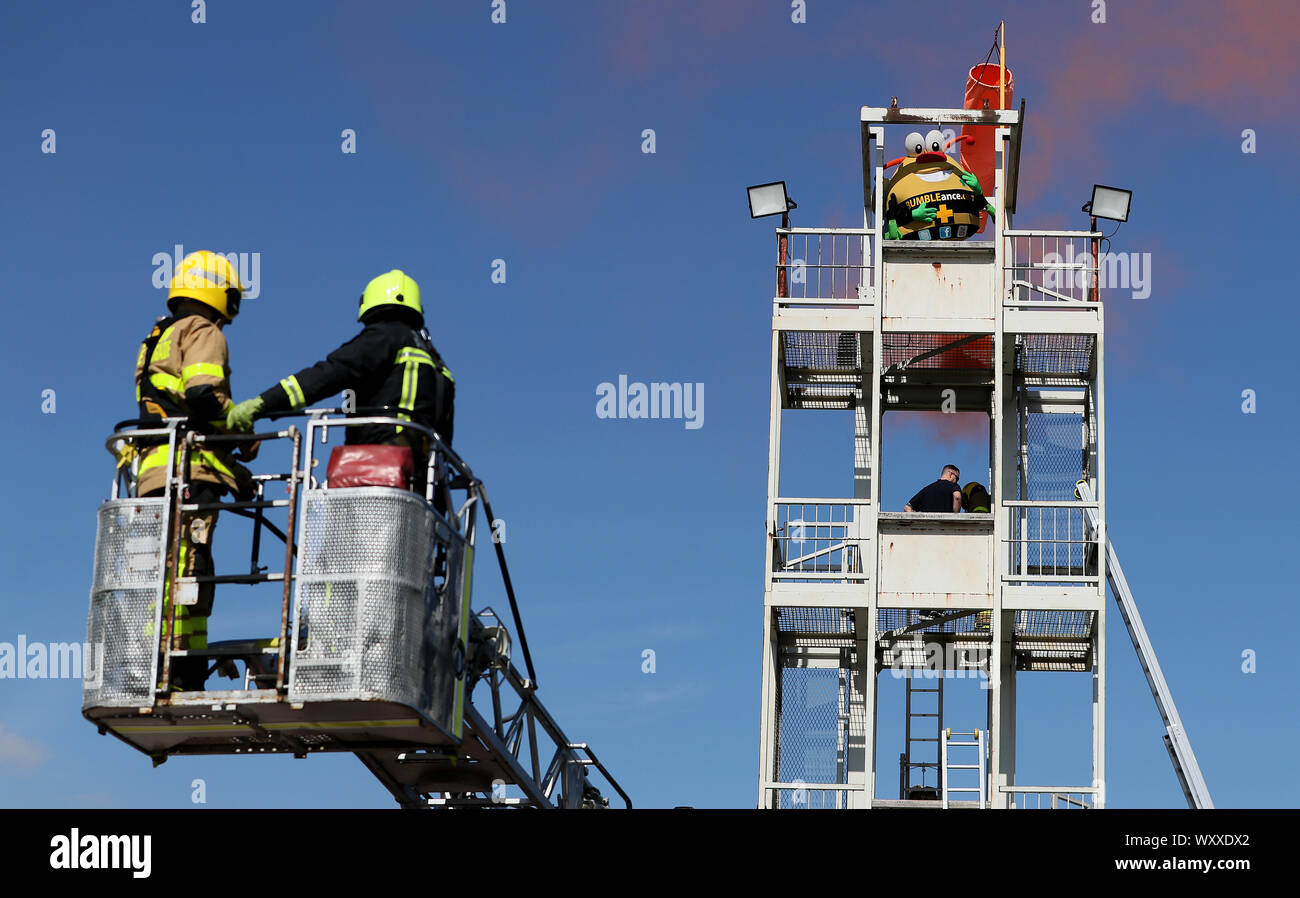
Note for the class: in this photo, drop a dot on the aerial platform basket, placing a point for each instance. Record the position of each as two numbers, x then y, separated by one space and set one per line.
372 644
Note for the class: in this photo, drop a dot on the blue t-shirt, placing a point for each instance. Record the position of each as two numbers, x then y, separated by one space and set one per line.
937 497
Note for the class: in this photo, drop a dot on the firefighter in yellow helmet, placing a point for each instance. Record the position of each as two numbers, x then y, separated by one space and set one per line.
183 370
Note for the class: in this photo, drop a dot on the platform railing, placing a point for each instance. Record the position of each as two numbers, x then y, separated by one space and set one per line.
129 442
809 796
445 470
823 540
1051 797
825 267
1050 543
1051 269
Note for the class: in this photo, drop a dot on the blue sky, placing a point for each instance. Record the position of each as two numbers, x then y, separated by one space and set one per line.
522 142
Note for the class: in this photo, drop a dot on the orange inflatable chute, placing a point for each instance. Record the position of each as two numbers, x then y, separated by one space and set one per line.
977 154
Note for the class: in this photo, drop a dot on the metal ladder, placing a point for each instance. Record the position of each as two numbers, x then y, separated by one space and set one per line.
1177 744
978 743
906 764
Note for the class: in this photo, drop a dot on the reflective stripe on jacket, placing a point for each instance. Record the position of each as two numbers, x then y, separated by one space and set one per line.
389 364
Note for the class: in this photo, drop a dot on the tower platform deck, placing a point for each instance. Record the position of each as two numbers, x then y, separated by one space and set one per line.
1043 640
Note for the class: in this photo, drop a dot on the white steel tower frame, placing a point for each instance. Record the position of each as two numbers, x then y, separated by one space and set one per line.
1011 323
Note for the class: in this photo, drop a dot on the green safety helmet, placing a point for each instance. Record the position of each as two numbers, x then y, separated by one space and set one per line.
394 288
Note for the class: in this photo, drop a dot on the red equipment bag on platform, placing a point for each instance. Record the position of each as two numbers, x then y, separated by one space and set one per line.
371 466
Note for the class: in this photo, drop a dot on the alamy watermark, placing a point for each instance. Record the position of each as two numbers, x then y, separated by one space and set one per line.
1114 271
249 266
23 660
91 852
935 659
656 400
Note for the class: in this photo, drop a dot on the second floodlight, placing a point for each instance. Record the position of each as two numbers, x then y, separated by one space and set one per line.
768 199
1110 202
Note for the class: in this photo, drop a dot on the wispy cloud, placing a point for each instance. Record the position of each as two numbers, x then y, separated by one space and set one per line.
670 694
18 753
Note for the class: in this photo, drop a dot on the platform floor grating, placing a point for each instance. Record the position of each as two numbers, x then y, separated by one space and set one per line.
914 352
806 621
1046 640
893 618
1055 623
1047 354
821 350
822 369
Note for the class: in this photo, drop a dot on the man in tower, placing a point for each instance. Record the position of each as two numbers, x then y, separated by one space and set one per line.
392 362
942 496
183 370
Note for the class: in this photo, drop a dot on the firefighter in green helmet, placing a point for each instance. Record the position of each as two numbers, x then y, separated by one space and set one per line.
392 363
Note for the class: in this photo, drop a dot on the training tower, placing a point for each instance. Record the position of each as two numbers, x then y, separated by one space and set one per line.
859 598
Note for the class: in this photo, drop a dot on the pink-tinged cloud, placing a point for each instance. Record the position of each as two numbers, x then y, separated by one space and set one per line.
646 40
1231 64
948 430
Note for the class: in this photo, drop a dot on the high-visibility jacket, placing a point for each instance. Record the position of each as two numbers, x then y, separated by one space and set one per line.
976 498
183 370
390 363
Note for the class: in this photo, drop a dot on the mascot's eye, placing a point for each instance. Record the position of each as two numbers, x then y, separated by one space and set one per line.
934 140
914 143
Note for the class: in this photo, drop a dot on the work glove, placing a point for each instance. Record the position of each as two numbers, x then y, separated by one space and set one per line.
240 416
924 212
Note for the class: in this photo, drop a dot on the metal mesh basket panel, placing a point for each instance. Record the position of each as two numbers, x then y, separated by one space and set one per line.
126 590
359 640
367 530
371 623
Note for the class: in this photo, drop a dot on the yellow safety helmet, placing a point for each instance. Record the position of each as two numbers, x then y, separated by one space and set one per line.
209 278
394 288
